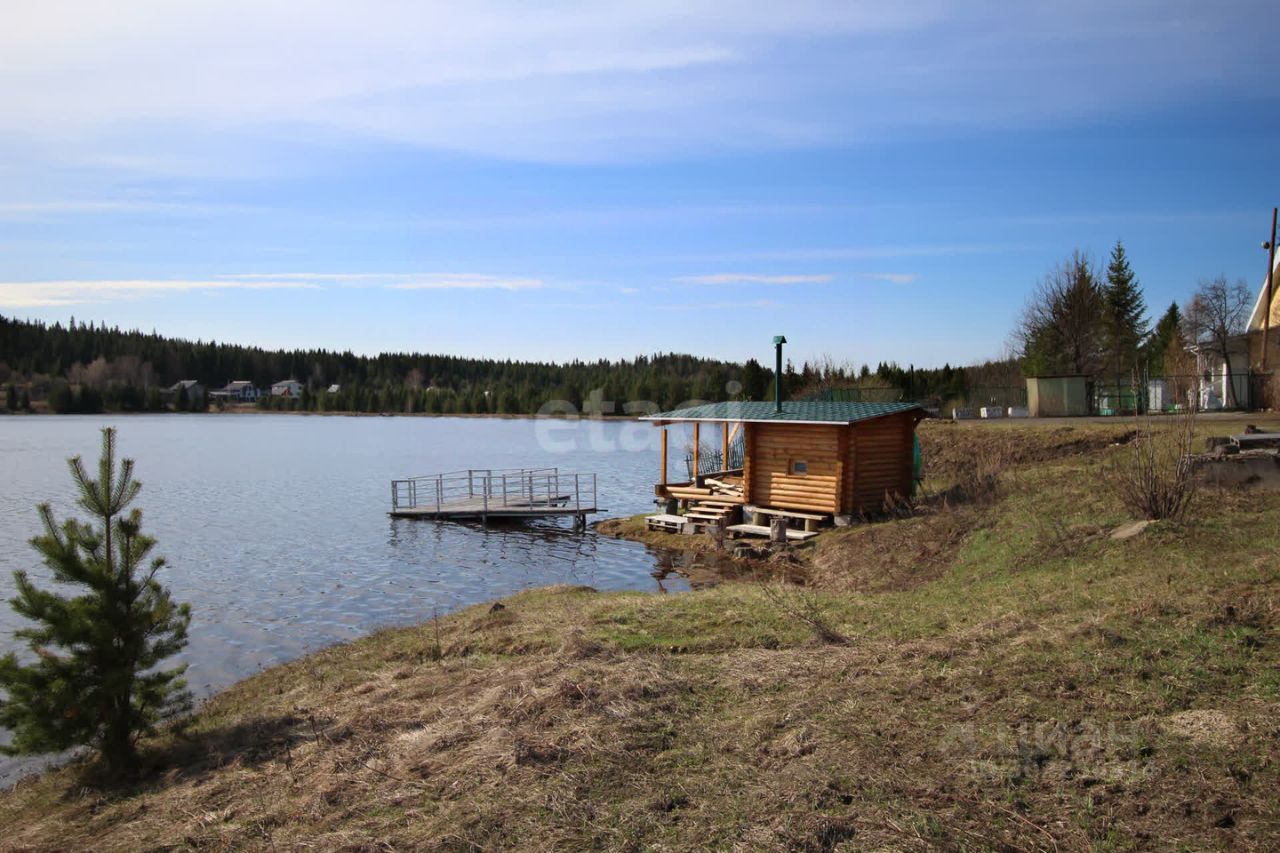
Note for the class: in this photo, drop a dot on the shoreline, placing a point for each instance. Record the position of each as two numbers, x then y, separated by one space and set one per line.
253 410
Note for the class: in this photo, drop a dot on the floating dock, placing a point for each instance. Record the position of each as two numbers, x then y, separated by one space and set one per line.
484 494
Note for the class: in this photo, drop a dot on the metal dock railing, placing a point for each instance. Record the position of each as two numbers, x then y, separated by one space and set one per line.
486 493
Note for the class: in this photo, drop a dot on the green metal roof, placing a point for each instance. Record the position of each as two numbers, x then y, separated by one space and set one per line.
792 412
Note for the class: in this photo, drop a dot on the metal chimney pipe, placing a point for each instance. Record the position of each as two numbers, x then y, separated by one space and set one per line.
778 341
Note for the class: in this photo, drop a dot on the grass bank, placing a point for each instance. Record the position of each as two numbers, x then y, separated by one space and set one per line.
990 675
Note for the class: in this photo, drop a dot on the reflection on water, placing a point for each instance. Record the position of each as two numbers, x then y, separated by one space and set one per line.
276 530
681 570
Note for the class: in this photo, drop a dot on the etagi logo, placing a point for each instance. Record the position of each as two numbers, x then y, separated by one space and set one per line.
564 428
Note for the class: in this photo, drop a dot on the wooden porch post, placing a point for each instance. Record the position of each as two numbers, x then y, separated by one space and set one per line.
663 481
724 452
697 446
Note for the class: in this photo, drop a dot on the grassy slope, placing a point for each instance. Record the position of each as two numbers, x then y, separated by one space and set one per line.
1018 682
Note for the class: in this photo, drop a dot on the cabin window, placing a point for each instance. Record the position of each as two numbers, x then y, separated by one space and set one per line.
799 467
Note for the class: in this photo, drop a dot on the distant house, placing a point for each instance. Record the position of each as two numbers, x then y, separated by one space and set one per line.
1246 354
239 391
191 387
1214 392
1259 319
290 388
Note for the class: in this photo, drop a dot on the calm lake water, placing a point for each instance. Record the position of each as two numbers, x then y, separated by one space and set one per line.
276 526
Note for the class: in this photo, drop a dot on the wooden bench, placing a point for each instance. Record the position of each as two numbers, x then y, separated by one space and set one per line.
811 520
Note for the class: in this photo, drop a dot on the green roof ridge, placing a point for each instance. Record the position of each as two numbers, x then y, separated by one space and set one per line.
792 410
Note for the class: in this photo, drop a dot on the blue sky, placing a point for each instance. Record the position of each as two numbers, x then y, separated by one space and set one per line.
877 181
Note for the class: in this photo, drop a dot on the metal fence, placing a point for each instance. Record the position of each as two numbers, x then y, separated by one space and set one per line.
711 461
1176 393
1141 395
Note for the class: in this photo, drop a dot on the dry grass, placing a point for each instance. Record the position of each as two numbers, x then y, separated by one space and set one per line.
1018 695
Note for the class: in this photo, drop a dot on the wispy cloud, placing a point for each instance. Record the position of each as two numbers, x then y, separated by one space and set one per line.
910 250
719 306
891 277
403 281
468 282
37 294
753 278
605 81
44 210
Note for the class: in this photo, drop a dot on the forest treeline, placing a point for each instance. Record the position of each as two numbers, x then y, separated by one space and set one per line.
82 367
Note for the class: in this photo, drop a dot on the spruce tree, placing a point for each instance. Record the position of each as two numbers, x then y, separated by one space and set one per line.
1124 314
1164 340
93 678
11 398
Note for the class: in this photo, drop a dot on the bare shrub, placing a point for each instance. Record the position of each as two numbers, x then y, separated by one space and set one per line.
980 479
803 605
1153 477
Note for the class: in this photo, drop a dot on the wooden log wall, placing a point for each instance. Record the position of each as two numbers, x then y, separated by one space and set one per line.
881 452
774 447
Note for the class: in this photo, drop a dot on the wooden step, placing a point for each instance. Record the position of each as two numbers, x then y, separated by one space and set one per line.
761 530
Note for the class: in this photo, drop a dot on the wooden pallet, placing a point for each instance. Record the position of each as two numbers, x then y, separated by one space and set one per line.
667 523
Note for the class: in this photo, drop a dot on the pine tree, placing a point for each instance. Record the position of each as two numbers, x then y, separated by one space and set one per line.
1124 314
93 678
11 398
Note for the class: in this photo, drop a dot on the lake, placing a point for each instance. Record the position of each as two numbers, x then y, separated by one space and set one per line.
276 526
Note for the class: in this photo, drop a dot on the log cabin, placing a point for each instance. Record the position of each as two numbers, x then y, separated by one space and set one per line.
811 460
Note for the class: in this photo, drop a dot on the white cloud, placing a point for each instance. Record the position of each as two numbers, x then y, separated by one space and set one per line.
753 278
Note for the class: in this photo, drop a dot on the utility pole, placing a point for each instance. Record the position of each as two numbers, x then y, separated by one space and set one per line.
1270 246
